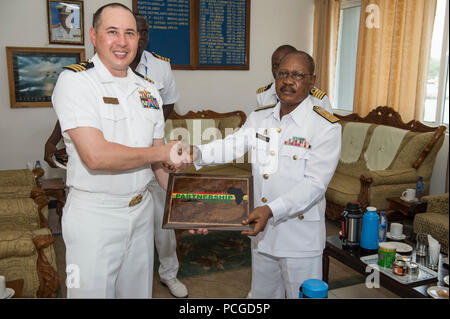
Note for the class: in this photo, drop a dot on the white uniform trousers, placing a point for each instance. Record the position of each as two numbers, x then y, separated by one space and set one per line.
281 277
109 245
165 240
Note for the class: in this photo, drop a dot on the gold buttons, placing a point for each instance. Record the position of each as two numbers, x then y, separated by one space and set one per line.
266 176
300 216
272 153
264 200
295 157
279 130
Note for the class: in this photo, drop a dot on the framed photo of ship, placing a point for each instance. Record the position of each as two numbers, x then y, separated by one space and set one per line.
215 202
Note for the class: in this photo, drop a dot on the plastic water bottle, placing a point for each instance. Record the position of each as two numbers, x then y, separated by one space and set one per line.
420 189
382 227
38 165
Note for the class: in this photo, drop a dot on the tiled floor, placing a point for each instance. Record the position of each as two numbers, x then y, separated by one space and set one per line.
236 283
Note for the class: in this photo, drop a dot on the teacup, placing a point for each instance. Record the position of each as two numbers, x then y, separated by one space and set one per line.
396 230
409 194
2 287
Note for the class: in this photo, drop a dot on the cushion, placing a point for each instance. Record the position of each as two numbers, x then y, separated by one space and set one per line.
19 214
17 177
16 244
383 147
353 137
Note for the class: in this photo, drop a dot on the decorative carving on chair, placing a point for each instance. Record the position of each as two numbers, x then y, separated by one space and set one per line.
48 277
364 194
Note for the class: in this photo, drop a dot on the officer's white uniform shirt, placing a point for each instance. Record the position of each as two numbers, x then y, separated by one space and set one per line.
161 73
59 33
269 97
292 179
78 99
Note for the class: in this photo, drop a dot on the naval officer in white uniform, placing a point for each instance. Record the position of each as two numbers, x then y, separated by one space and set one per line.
65 30
267 95
113 128
159 70
295 150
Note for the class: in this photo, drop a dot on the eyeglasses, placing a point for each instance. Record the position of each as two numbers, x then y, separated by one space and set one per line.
296 76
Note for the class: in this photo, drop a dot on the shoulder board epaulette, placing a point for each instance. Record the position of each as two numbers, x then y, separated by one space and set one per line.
317 93
264 88
144 77
78 67
325 114
265 107
160 57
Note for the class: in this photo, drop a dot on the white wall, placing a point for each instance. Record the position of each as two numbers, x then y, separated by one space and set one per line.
23 131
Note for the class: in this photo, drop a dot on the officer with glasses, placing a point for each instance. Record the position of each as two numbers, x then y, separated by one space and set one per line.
295 150
267 94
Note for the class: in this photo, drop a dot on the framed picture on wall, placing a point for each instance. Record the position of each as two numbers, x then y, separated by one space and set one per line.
32 73
65 22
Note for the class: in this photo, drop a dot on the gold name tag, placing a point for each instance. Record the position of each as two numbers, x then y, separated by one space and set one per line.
110 100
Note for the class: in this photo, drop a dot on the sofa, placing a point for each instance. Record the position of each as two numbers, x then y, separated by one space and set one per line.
26 242
202 127
381 156
435 219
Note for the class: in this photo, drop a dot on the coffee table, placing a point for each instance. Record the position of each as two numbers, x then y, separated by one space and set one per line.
351 258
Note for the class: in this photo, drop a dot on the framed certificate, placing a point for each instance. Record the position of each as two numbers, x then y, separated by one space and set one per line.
216 202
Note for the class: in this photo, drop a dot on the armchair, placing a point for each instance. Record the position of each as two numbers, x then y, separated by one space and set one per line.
435 220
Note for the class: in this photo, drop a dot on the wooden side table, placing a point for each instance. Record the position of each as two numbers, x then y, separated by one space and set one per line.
17 286
55 187
399 209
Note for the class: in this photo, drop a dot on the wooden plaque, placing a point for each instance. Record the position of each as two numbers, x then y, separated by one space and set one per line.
219 202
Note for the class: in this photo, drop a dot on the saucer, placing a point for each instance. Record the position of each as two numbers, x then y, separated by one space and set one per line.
438 292
409 200
9 293
388 235
401 247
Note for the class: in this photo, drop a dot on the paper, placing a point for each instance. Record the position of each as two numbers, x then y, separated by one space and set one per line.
434 249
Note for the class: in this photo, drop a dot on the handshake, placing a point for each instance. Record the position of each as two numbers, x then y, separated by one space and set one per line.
180 155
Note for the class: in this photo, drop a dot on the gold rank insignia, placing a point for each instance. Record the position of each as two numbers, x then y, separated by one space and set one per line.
264 88
265 107
82 66
160 57
144 77
317 93
325 114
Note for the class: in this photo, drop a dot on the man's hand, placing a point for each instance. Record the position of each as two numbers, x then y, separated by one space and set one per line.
50 149
195 153
50 145
259 216
202 231
178 158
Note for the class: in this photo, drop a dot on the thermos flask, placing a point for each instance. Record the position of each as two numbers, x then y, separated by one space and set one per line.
369 233
351 225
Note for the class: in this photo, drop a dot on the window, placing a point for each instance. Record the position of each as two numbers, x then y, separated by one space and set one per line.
436 101
346 55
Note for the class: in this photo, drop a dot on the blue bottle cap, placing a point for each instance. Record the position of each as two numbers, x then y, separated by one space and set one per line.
315 288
